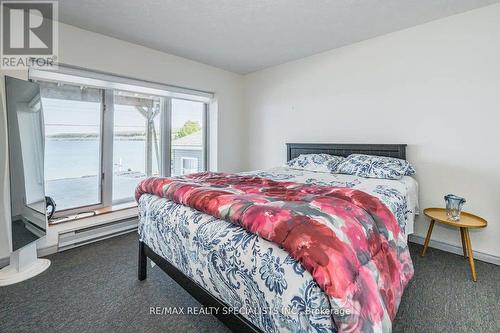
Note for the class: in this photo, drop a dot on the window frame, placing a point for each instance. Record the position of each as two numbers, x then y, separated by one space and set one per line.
205 136
110 83
163 126
101 203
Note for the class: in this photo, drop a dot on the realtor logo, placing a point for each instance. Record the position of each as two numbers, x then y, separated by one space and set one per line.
29 34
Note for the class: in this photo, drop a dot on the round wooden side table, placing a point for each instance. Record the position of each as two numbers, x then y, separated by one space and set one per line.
467 220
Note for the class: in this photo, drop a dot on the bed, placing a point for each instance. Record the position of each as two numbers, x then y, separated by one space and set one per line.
248 282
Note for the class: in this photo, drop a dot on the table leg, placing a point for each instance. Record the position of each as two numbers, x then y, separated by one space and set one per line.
464 246
471 258
428 238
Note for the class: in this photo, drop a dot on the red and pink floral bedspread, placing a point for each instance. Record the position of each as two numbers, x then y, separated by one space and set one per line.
347 239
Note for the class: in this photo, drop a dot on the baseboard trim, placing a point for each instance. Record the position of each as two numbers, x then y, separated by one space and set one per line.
489 258
47 251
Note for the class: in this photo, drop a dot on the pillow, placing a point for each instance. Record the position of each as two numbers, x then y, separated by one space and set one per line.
316 162
370 166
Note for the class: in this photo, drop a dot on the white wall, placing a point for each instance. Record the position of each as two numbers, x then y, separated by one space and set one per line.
435 87
93 51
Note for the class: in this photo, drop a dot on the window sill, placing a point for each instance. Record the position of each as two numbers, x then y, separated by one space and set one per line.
95 213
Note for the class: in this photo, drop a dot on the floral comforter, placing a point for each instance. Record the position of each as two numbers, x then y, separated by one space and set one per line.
358 283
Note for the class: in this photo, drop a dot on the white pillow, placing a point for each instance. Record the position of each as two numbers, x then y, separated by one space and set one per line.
316 162
370 166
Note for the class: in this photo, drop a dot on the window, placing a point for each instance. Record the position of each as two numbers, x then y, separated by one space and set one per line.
104 134
188 137
136 142
189 165
72 116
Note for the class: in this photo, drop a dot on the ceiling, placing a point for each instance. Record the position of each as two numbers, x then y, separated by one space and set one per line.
243 36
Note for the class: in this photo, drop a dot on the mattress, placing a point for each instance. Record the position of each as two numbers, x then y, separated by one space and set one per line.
253 276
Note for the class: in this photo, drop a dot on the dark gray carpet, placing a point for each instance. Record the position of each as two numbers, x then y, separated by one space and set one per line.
94 289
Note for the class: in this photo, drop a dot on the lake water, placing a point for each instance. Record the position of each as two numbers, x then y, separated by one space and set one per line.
80 158
72 168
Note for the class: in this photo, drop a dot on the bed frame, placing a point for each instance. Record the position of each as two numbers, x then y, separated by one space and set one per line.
236 322
295 149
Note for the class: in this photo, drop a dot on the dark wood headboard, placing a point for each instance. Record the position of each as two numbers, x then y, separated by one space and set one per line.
342 149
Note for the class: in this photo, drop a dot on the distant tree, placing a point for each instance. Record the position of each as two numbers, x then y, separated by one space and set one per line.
189 127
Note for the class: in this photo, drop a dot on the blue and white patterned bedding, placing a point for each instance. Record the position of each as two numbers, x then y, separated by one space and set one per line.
252 275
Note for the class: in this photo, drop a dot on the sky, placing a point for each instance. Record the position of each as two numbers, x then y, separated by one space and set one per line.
66 116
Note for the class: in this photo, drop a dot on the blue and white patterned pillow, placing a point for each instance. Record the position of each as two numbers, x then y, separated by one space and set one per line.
370 166
316 162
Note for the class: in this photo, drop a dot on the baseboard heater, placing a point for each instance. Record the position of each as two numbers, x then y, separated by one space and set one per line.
75 238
